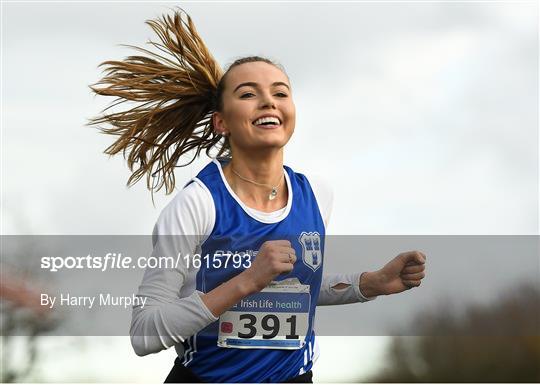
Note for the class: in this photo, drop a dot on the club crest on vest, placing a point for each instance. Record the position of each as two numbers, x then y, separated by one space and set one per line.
311 249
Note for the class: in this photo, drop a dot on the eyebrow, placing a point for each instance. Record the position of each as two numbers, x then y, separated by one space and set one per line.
256 85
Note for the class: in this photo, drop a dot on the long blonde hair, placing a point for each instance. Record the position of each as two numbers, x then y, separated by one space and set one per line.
176 92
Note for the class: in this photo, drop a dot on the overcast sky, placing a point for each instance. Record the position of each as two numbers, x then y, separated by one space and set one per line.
422 115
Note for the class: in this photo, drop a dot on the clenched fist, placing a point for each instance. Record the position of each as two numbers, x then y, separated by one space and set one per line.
402 273
274 258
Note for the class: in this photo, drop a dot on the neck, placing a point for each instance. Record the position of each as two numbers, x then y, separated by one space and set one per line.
264 169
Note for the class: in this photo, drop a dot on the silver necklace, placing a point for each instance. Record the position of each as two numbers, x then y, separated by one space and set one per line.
273 192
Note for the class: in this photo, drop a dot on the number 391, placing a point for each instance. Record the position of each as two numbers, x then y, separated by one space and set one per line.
269 323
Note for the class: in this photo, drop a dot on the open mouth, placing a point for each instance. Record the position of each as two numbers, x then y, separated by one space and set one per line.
267 122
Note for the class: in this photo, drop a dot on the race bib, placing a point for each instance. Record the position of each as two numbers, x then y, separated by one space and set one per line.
275 318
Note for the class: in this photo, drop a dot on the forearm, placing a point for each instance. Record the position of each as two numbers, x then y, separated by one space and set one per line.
223 297
339 289
160 324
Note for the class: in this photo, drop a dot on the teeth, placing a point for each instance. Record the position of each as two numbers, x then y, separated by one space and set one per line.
267 120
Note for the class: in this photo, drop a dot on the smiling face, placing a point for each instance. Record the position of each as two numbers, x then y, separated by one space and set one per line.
257 110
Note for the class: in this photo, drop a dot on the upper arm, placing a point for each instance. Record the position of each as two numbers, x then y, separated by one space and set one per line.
181 227
325 196
191 212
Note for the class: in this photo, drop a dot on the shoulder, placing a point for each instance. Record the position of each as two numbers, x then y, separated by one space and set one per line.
321 187
191 211
323 191
318 182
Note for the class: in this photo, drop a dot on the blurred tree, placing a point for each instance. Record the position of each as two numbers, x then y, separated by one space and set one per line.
499 342
20 316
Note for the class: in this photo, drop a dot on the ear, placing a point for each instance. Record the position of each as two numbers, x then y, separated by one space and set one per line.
219 123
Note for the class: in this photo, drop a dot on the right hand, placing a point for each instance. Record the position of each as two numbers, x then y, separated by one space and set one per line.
272 260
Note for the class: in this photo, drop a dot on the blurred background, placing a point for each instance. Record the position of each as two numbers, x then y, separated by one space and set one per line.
422 115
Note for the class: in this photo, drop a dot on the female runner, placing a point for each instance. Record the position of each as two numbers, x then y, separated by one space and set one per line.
239 305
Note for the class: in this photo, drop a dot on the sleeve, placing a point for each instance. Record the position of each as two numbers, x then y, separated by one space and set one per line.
328 294
167 318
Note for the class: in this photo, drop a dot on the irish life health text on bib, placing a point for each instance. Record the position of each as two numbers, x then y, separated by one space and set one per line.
275 318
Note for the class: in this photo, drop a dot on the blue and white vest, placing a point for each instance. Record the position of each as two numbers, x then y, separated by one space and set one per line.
236 231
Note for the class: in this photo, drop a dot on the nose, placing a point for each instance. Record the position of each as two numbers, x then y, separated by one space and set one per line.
267 101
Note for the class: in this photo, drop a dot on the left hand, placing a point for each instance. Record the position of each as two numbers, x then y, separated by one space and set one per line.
402 273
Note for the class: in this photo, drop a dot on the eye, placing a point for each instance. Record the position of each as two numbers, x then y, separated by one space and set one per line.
243 96
282 95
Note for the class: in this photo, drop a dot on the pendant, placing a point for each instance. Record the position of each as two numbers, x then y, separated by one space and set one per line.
273 194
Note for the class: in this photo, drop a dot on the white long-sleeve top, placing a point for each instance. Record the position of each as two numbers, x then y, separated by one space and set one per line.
174 310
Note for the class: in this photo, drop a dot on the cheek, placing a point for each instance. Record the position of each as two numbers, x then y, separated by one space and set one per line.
234 118
291 112
290 107
240 112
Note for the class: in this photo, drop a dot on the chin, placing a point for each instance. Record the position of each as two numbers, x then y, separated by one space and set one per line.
267 140
267 144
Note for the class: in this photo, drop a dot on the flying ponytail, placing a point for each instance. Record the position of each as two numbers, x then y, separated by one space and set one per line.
176 95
